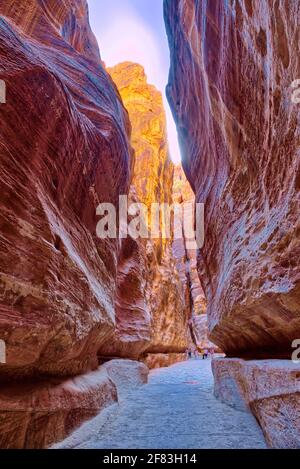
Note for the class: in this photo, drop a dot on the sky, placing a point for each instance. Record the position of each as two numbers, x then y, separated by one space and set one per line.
134 30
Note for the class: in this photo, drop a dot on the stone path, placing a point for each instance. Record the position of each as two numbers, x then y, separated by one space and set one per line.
176 409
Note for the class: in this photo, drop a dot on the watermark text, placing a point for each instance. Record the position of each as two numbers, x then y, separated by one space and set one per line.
2 352
296 93
2 92
160 221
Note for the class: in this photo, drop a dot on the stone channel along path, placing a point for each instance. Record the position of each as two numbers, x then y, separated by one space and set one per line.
175 410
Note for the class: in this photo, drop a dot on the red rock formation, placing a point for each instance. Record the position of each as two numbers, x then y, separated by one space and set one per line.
133 321
37 414
152 313
64 149
233 64
270 388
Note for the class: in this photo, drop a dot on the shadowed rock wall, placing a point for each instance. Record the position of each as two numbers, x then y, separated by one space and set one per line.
232 67
64 149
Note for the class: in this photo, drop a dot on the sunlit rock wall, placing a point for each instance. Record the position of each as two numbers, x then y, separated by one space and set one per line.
160 302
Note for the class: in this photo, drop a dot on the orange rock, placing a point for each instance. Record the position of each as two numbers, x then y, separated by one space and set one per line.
160 360
152 314
186 261
64 149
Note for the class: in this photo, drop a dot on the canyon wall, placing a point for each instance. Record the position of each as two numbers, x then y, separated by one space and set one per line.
232 91
233 64
161 308
270 389
63 138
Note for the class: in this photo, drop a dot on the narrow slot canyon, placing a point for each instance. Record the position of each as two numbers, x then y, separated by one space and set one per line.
120 327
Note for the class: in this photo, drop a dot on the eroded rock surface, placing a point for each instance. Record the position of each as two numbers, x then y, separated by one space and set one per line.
270 388
37 414
230 88
162 360
64 149
232 66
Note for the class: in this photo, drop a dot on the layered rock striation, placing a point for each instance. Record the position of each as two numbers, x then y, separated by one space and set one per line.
230 88
63 138
64 149
67 296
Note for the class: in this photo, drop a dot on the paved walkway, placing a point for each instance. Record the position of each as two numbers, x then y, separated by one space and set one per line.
176 409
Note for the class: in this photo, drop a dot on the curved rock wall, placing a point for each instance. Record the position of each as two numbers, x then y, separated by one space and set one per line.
152 314
67 296
63 138
232 67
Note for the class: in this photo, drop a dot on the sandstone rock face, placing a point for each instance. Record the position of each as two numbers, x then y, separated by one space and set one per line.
47 20
152 313
34 415
233 64
186 261
270 388
64 149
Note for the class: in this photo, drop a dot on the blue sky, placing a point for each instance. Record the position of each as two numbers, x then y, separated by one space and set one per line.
134 30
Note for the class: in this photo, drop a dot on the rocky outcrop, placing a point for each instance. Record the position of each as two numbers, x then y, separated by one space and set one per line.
269 388
126 375
63 139
37 414
233 64
152 314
